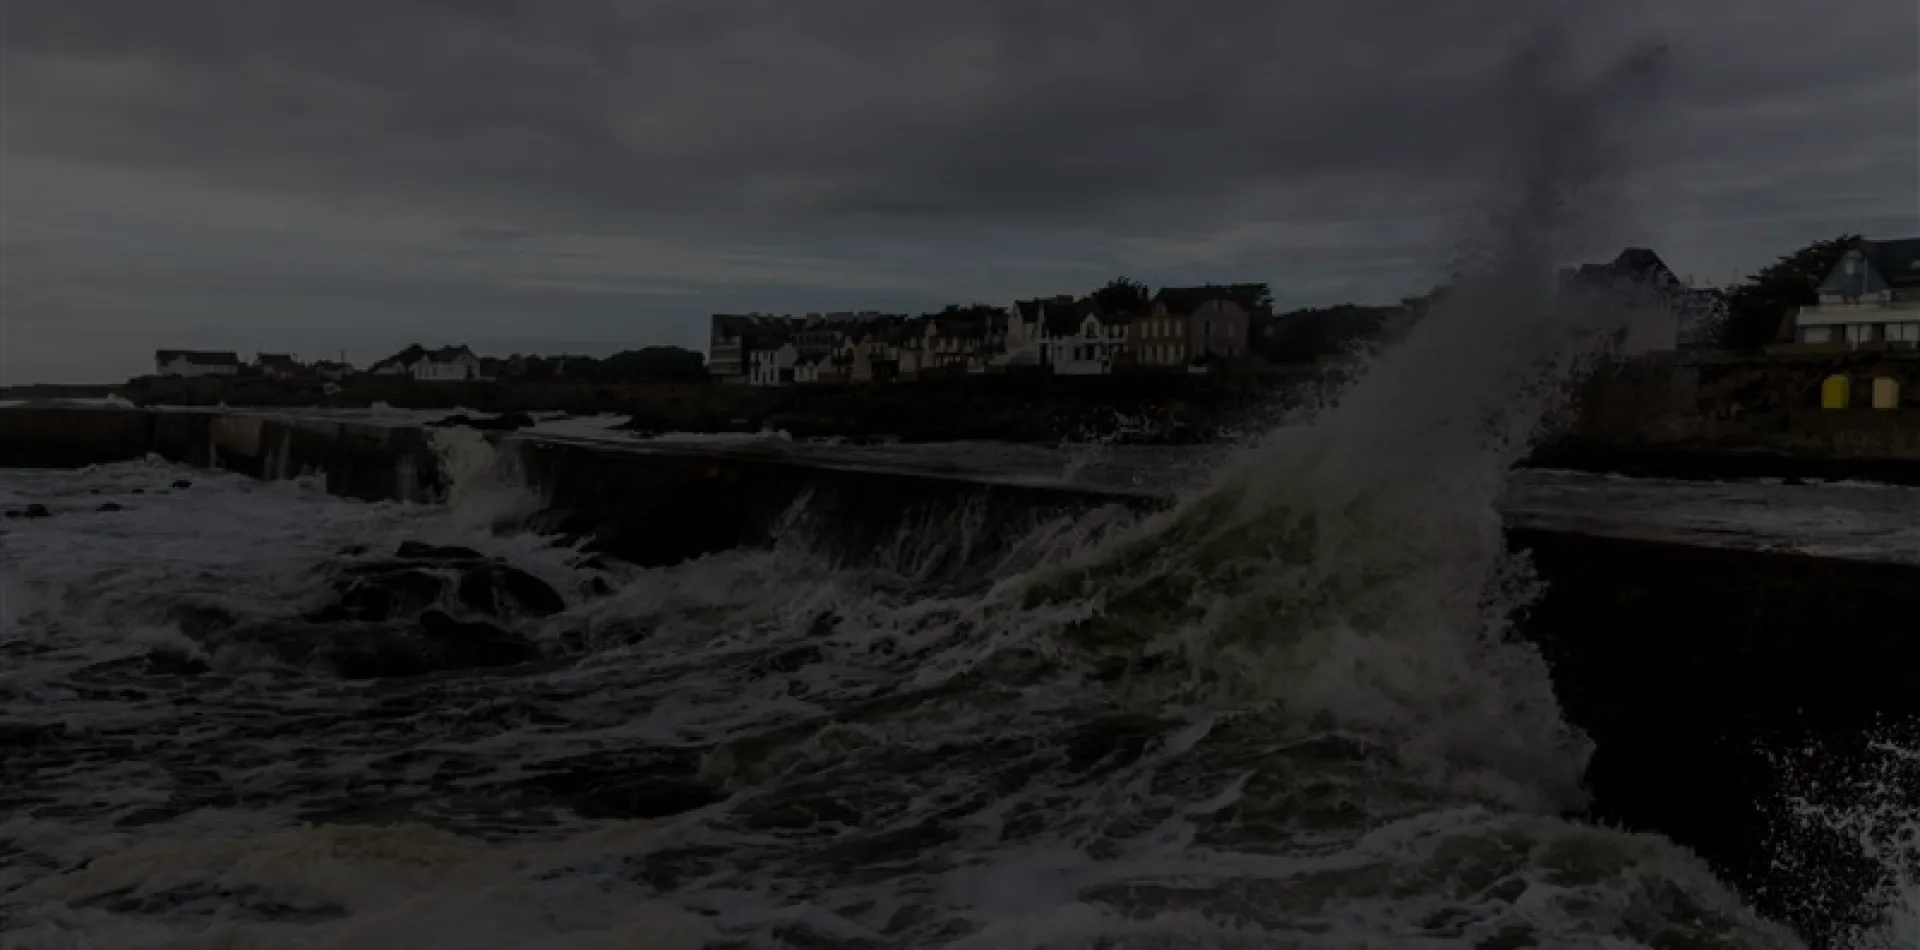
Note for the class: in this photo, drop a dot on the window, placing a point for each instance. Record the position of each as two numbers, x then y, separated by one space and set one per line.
1857 332
1904 332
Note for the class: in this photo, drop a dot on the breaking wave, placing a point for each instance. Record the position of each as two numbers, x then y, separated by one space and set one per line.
1287 713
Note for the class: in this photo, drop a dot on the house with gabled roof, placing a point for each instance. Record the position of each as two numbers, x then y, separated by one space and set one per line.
1193 326
1872 295
446 364
1654 307
1084 339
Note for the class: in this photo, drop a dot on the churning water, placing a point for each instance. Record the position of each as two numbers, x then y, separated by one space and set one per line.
1287 713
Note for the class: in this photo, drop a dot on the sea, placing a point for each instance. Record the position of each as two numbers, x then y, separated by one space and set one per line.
1281 714
1287 711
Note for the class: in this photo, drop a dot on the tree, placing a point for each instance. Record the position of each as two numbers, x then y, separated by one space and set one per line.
1254 297
407 357
1122 295
1756 307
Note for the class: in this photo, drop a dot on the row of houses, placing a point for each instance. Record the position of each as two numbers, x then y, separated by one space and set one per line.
447 364
1190 329
194 363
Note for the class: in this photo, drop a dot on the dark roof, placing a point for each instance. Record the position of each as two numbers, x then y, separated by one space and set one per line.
198 357
447 354
1029 309
1633 267
1060 317
1184 300
1897 262
276 359
1112 318
959 324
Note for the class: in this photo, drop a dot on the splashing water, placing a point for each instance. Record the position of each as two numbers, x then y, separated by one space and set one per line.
1287 713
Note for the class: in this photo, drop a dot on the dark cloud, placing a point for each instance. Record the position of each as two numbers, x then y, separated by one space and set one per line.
1087 133
860 107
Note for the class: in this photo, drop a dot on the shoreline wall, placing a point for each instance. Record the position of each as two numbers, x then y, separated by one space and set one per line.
1711 415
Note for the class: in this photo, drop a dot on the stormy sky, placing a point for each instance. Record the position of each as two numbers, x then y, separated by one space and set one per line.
592 175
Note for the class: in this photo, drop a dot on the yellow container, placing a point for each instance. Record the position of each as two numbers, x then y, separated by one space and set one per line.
1886 393
1836 392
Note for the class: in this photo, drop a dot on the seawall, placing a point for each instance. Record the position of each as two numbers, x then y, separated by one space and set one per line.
1718 415
1687 663
1163 408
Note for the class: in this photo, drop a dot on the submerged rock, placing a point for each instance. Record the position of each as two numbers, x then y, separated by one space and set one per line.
436 643
110 506
428 576
182 483
420 551
30 511
644 798
470 645
501 590
388 592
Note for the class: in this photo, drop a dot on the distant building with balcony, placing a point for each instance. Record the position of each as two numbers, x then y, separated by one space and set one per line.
1871 296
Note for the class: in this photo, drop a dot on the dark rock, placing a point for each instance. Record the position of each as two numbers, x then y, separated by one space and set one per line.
644 798
501 590
93 491
598 587
417 551
386 595
30 511
110 506
182 483
475 645
139 491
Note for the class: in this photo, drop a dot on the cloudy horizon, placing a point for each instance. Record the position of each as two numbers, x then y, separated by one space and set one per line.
587 177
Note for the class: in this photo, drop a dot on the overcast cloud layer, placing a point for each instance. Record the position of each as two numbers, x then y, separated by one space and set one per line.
590 175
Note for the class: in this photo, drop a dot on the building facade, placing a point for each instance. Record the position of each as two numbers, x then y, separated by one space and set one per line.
1872 296
773 366
1192 326
447 364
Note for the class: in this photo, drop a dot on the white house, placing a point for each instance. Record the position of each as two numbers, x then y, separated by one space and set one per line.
195 363
446 364
1086 342
1872 296
773 367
